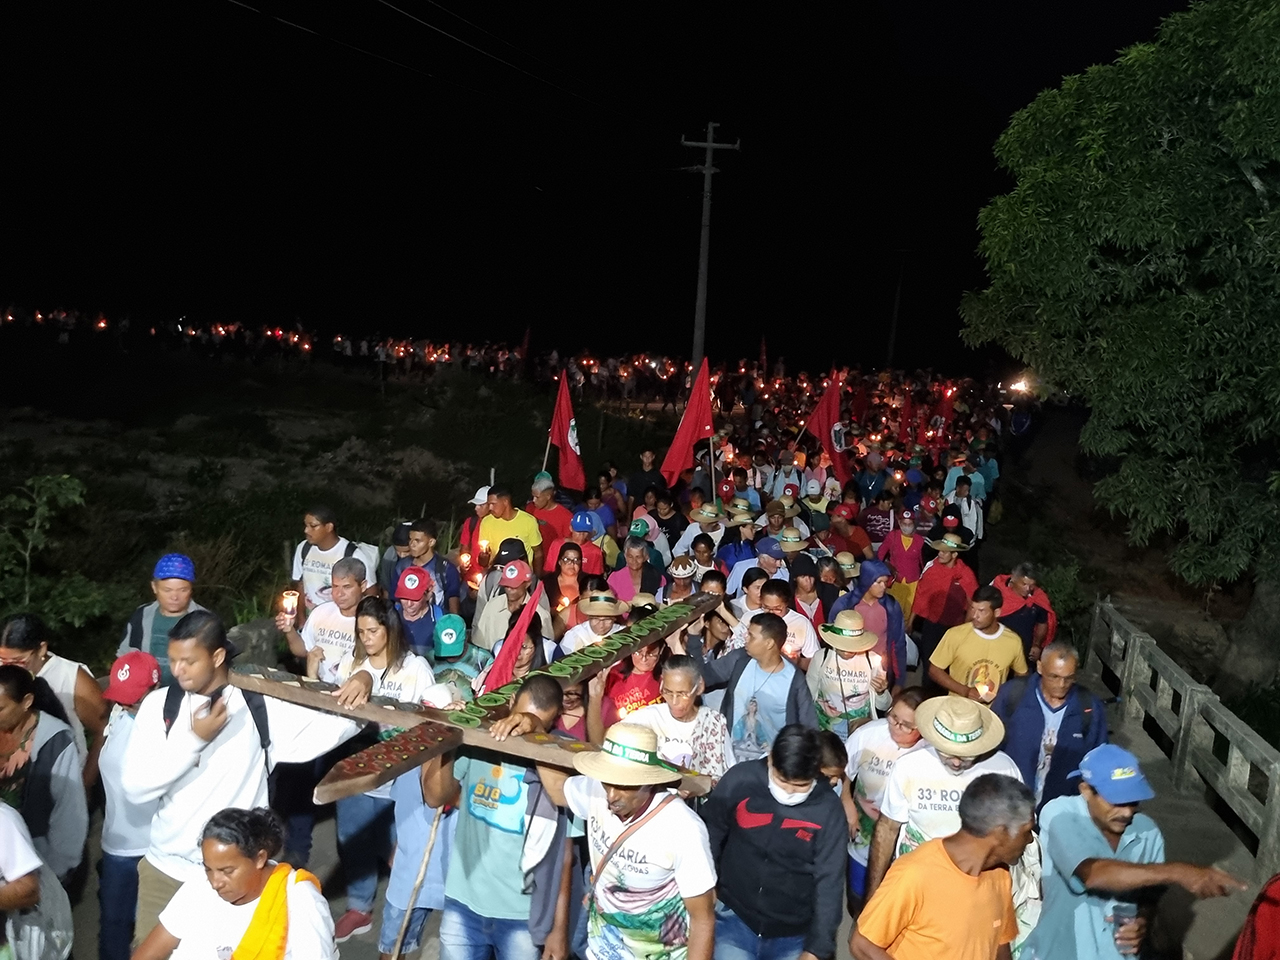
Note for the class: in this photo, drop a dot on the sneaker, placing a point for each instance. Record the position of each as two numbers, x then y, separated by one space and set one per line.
351 923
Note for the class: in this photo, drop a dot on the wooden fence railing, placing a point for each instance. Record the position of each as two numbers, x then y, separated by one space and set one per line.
1211 745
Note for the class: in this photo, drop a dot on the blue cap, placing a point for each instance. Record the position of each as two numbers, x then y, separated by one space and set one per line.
1115 774
770 547
914 476
450 635
175 566
581 522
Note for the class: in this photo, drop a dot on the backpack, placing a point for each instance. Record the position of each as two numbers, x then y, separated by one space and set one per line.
1018 690
257 705
351 548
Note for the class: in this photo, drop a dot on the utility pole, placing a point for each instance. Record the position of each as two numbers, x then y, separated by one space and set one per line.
704 247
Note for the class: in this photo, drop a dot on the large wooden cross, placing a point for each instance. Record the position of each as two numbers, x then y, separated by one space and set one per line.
429 732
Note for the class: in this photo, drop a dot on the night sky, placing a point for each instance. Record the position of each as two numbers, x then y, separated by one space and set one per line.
205 159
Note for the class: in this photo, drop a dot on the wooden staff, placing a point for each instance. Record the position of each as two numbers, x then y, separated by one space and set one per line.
417 884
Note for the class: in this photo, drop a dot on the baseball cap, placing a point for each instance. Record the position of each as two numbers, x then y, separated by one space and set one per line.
510 549
482 496
770 547
175 566
515 573
725 489
786 457
400 534
845 512
813 489
450 635
906 516
1114 772
414 584
131 677
581 522
929 504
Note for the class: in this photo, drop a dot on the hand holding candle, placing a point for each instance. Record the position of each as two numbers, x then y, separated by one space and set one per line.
289 603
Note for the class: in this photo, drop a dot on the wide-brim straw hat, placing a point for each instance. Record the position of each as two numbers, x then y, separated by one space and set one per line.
791 540
847 633
644 601
602 603
707 513
628 757
740 513
959 727
950 541
849 564
789 503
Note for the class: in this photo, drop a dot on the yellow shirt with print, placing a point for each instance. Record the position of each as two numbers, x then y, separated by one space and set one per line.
980 660
522 527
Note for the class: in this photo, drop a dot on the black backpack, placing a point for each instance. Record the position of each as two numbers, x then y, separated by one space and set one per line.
256 703
1018 689
346 554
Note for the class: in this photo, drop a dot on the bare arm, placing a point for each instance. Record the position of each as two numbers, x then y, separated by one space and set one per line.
1038 634
1117 876
943 679
595 702
864 949
439 788
702 924
93 712
159 945
1004 952
850 808
287 625
20 894
553 781
881 855
557 945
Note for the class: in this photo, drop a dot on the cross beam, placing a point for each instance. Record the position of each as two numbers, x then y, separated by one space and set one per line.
429 732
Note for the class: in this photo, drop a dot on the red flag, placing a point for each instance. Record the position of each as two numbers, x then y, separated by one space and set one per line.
905 416
695 425
500 674
822 423
564 434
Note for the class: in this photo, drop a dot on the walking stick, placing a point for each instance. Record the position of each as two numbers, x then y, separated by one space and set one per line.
417 884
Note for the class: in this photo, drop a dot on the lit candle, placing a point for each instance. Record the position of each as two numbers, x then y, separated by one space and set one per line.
464 559
289 603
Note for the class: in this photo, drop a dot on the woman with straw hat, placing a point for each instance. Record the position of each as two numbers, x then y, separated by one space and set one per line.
846 677
652 887
599 611
679 585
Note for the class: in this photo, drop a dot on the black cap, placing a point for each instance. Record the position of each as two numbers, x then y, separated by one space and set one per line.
400 534
510 549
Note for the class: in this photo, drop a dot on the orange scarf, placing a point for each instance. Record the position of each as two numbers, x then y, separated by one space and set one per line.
268 935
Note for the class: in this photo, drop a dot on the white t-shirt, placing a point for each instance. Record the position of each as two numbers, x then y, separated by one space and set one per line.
126 824
211 929
409 684
872 754
575 638
733 583
924 796
18 855
315 572
802 639
1048 741
328 629
700 744
665 861
842 689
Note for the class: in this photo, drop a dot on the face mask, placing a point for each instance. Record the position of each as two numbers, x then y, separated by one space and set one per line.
789 799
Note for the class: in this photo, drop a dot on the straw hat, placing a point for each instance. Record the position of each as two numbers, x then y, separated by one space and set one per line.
707 513
644 601
788 502
740 514
791 540
602 603
628 757
847 633
682 566
849 565
950 541
959 727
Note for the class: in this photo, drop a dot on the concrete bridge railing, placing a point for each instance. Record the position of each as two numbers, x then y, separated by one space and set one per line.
1207 744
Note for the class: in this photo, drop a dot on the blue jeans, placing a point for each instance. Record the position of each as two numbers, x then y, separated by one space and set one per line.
117 905
392 917
366 833
465 935
736 941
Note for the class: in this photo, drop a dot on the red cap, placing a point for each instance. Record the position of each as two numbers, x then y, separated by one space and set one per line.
929 504
906 516
726 489
131 677
791 490
951 522
414 584
845 511
515 573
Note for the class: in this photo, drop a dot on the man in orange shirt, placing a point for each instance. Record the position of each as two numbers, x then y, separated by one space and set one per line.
953 897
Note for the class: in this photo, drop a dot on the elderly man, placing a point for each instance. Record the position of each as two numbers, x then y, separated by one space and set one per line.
1050 723
1103 863
494 622
922 794
769 558
1026 610
602 610
505 520
953 897
553 518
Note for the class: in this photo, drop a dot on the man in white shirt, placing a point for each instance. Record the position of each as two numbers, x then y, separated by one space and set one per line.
802 641
314 557
208 755
660 875
922 794
329 633
602 610
706 519
769 557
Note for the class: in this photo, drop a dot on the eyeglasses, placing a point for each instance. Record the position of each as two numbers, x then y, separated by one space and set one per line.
900 725
675 694
646 654
24 661
576 561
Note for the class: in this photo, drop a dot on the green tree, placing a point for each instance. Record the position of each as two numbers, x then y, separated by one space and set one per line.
1136 265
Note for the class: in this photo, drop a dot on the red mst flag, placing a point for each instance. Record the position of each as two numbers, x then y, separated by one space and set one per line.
695 425
823 425
564 434
500 674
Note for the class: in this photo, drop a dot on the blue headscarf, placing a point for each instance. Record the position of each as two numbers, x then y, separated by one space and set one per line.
869 572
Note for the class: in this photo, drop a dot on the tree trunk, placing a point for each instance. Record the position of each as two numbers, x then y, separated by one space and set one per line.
1254 655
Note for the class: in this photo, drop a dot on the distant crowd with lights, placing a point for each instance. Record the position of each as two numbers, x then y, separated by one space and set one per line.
867 722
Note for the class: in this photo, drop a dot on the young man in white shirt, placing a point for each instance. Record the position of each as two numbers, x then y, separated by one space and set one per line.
314 557
210 756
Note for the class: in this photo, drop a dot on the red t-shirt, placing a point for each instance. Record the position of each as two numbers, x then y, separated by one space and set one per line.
554 519
623 695
592 557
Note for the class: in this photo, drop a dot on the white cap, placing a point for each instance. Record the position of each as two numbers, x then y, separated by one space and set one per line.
482 496
813 488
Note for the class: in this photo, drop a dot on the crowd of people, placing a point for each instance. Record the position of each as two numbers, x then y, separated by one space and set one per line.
889 731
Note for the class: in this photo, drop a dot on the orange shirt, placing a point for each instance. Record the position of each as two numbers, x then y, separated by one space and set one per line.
914 915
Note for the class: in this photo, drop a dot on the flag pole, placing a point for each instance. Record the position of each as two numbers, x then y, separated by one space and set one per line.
547 453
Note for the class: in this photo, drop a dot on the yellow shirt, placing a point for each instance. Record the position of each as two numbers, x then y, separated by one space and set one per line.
521 526
979 660
928 908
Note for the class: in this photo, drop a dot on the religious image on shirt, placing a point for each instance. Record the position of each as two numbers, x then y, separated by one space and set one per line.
984 676
642 924
752 733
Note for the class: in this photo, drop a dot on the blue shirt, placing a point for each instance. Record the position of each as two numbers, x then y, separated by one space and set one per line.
978 484
1073 924
413 827
484 870
759 709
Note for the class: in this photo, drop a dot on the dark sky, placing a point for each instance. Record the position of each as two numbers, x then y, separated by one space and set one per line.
202 158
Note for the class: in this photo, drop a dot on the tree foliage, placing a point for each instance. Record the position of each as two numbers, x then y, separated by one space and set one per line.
1136 265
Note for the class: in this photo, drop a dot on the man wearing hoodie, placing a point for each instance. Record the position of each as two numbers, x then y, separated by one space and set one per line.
881 615
778 833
